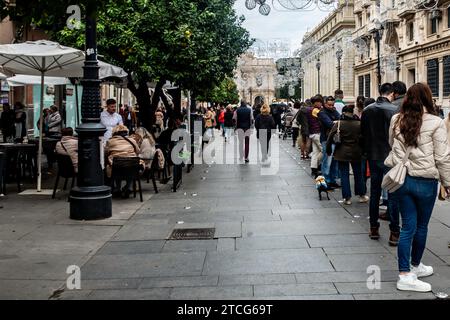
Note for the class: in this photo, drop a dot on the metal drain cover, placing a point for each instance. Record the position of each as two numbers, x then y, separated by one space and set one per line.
192 234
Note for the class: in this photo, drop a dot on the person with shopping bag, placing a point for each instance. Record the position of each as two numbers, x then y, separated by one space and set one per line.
419 159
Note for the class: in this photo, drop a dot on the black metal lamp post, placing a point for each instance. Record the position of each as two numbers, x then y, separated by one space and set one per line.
339 55
91 199
318 65
378 35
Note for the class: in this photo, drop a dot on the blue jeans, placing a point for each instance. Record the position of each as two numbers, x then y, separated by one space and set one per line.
329 165
377 171
417 198
345 178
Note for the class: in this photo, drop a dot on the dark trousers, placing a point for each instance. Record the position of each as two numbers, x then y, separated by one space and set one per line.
360 189
377 171
295 133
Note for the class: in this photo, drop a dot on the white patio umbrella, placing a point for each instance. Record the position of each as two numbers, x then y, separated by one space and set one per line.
40 58
22 80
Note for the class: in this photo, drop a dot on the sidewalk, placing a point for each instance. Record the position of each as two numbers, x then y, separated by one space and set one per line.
273 239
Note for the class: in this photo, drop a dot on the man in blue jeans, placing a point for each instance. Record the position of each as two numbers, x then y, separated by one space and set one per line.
327 117
375 123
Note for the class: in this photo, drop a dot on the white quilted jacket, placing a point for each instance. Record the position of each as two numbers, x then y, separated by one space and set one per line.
432 158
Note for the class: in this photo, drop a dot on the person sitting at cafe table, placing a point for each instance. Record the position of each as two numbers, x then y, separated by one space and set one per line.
54 123
7 123
20 122
120 145
110 119
68 146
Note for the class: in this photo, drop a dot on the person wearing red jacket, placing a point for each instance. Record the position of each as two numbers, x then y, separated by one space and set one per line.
222 120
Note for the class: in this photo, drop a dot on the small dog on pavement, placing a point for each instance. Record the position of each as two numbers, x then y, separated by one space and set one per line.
321 186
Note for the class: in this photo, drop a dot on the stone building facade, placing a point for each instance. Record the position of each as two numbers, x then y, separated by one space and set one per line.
255 77
322 45
415 45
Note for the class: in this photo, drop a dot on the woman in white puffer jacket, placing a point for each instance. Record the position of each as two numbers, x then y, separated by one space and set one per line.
429 162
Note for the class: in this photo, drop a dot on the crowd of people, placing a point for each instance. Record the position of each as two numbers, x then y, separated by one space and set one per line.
372 137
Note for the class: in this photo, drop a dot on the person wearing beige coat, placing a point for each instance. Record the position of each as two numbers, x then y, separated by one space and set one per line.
418 128
120 145
68 146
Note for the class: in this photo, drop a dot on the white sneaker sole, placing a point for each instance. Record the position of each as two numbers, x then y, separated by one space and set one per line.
405 287
423 275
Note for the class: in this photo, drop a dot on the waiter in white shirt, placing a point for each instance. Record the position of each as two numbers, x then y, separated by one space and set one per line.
110 118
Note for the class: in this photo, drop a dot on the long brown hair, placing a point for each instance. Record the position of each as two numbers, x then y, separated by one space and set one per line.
410 121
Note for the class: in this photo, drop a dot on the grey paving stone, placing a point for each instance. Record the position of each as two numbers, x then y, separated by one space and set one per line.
131 247
253 279
171 282
211 293
73 233
321 297
129 294
50 247
228 230
276 242
288 228
28 289
438 245
266 261
15 231
343 276
73 295
144 265
189 245
105 284
143 232
396 296
295 289
299 212
341 240
226 244
355 250
39 266
360 262
361 288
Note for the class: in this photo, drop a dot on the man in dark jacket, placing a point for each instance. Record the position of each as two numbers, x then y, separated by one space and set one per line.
314 134
375 123
328 116
7 122
244 120
399 93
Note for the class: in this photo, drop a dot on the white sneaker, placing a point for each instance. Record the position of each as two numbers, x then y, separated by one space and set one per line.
383 208
409 282
347 202
422 270
364 199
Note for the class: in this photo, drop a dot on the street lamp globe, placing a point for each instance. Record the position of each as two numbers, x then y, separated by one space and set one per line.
318 64
339 54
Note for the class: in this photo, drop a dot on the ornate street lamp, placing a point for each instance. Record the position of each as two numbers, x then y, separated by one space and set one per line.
318 65
91 199
339 55
378 35
301 75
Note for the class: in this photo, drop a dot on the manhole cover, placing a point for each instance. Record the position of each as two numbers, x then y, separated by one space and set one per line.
192 234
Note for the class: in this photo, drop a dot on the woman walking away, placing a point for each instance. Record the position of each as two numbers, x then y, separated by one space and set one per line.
346 135
228 122
264 125
419 138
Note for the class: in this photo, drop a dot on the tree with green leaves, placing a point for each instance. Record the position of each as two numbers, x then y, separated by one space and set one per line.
192 43
226 92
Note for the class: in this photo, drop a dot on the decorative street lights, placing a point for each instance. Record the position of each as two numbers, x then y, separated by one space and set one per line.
91 199
301 75
339 55
318 65
378 35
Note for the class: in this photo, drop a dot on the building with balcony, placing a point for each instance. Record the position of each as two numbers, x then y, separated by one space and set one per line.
415 45
328 54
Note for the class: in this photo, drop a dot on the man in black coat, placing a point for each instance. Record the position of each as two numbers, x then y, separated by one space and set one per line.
244 120
375 124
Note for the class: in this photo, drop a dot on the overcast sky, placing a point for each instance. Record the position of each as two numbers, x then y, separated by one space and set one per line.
289 26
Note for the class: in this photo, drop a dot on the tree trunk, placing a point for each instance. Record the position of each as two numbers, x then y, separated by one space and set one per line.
143 98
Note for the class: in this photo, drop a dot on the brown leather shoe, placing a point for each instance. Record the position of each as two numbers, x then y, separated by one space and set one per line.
393 239
374 233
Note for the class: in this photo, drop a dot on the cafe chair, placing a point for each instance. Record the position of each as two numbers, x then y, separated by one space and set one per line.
124 168
66 171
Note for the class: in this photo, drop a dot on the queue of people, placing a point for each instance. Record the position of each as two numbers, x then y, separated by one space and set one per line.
374 136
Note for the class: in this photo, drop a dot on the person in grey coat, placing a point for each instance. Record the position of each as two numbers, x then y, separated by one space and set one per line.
399 94
54 122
